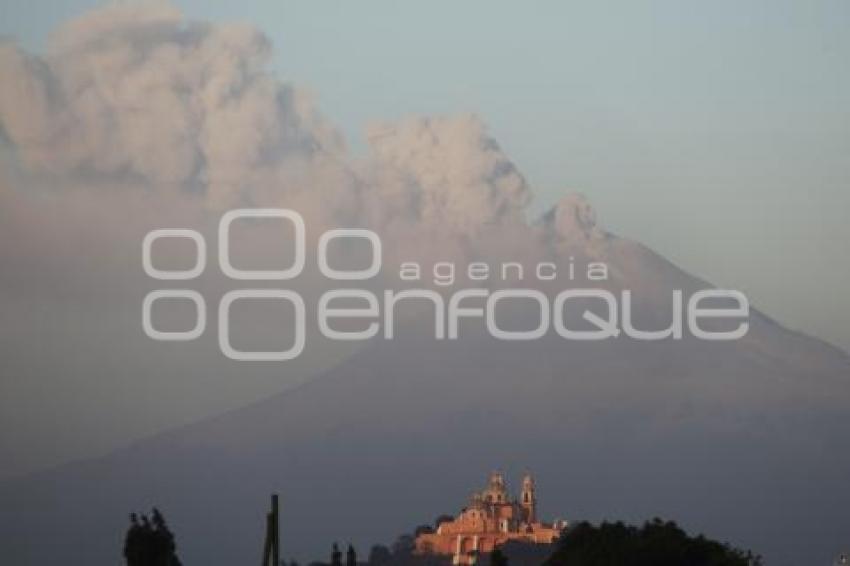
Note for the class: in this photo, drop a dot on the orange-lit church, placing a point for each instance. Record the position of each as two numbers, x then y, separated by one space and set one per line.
491 519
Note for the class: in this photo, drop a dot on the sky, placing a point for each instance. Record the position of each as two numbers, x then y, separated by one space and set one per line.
715 133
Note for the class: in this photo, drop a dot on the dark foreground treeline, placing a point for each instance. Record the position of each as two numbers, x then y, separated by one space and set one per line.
655 543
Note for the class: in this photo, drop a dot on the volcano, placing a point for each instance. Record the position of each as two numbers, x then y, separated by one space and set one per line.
745 441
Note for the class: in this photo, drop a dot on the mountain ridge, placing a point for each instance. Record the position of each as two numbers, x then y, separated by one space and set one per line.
722 437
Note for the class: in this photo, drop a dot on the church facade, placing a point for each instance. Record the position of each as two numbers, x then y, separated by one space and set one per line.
491 519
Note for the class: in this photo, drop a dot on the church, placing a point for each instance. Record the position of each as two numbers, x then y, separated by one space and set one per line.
491 519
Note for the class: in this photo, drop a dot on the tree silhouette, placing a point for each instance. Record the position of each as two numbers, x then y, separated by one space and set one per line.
350 556
336 556
657 542
133 541
150 542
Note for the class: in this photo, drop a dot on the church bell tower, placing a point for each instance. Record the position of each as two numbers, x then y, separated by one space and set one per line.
528 500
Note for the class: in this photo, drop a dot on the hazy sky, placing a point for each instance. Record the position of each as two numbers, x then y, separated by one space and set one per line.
675 118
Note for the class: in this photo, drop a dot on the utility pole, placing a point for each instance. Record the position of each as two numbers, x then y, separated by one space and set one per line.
271 547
